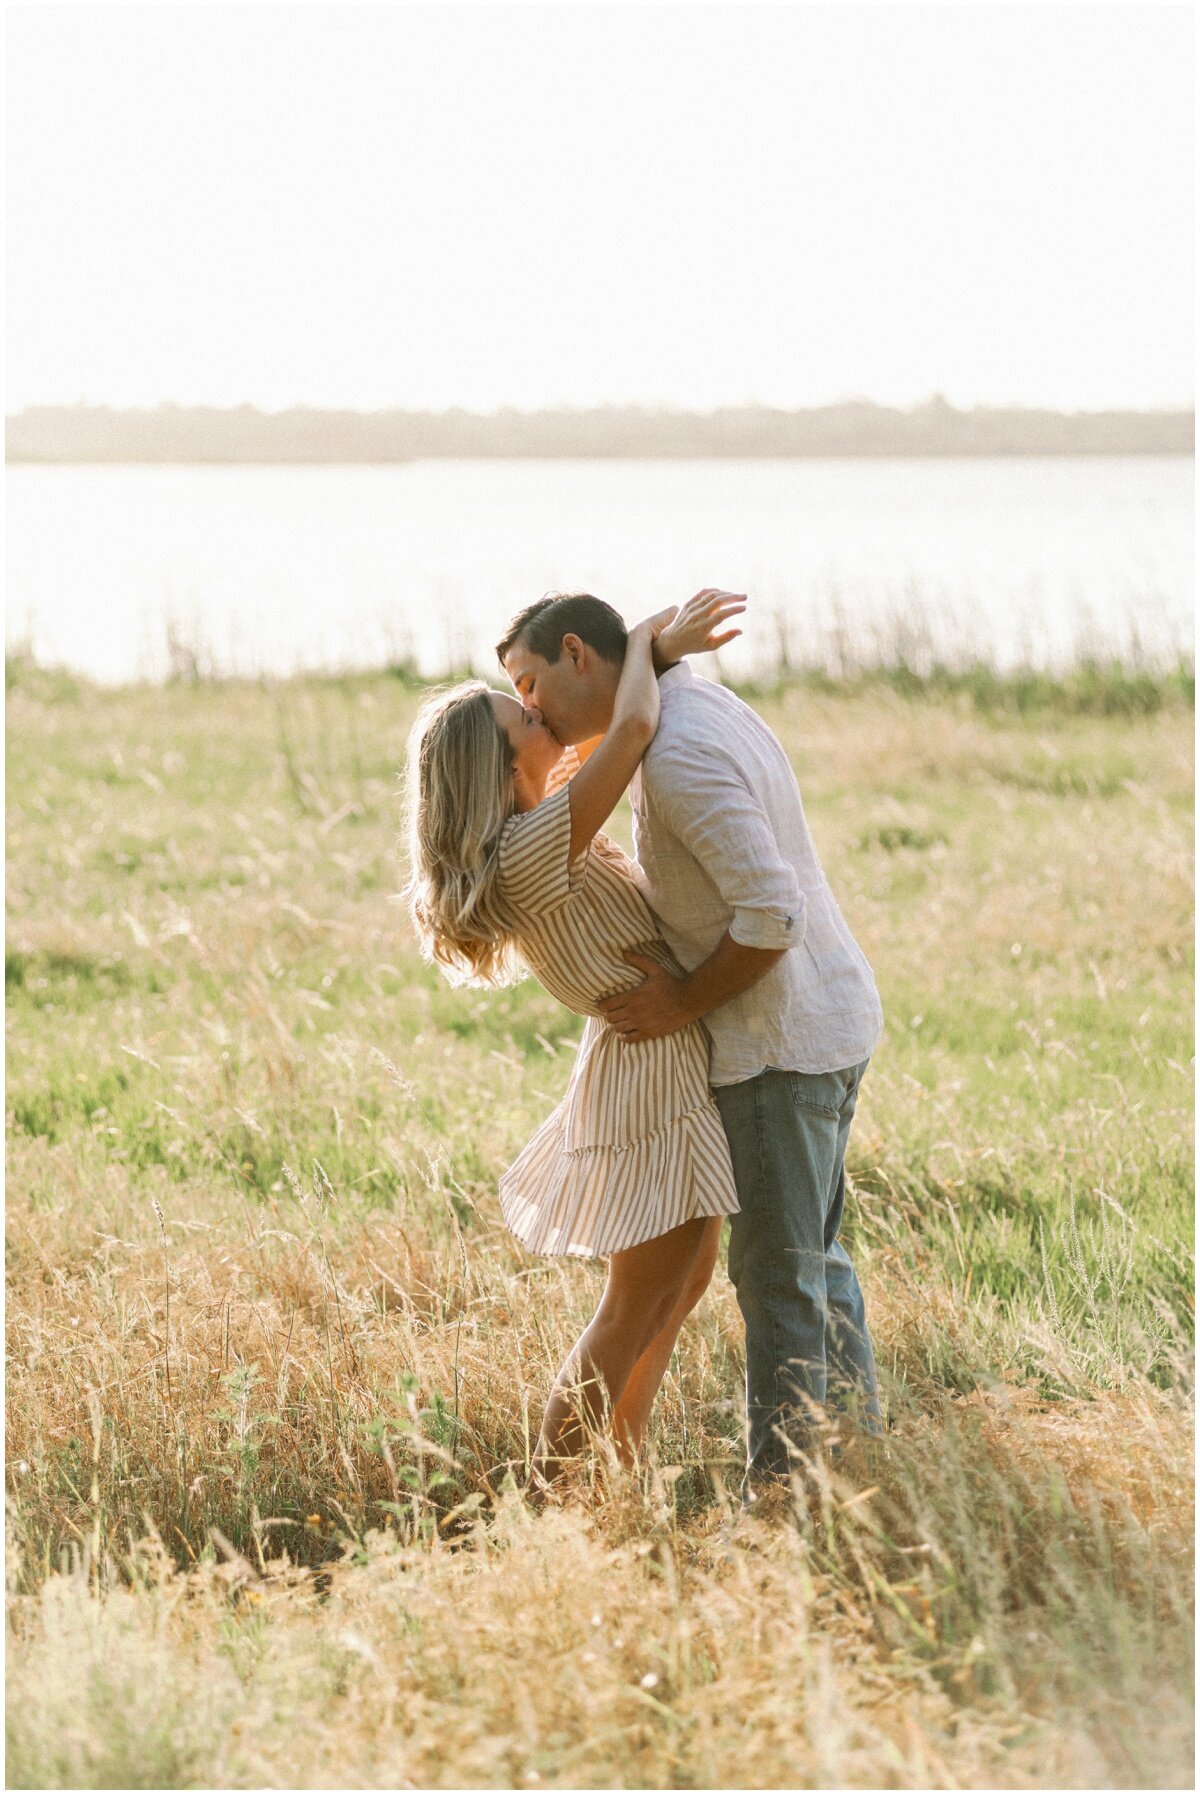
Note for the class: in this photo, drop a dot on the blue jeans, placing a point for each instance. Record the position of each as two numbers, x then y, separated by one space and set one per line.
807 1344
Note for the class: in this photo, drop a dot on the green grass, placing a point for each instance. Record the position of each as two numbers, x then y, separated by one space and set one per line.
259 1291
1089 689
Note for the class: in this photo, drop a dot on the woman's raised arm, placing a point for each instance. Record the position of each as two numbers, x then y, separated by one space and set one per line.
597 788
654 645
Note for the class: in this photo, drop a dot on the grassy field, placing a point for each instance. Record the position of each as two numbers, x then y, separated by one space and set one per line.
273 1354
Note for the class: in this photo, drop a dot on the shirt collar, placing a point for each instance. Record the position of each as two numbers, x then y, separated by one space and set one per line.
678 675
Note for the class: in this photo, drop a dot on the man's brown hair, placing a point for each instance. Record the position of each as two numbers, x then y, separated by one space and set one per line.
541 627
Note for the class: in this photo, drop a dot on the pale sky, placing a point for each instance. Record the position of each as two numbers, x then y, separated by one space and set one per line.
692 205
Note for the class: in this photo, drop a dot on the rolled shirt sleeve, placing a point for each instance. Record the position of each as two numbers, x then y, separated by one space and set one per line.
705 802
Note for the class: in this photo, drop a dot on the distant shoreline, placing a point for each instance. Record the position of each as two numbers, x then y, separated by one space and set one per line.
244 436
278 461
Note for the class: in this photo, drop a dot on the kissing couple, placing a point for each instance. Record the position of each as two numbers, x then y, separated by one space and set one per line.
730 1013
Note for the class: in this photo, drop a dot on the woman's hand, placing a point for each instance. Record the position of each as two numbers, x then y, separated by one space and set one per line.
658 623
695 628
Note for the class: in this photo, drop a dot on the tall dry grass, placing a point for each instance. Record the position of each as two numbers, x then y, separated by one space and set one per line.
273 1359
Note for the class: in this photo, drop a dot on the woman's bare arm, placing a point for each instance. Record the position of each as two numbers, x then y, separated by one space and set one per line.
598 787
694 628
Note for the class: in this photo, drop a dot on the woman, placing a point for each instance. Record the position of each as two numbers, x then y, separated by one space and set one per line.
634 1162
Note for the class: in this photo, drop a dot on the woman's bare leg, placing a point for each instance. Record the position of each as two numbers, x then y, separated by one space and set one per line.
631 1415
644 1287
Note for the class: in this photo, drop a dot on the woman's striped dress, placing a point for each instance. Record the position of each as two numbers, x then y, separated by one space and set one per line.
636 1146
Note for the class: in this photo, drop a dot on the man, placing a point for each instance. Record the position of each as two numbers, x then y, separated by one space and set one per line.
729 868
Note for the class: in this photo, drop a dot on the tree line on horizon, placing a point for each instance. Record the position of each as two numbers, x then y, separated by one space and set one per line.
244 434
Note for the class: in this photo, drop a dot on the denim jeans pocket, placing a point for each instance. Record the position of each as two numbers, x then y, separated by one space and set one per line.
821 1092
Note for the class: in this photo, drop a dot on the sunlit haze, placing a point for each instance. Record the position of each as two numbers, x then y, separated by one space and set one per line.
424 207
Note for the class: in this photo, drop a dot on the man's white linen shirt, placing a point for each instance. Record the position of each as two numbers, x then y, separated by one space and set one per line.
722 844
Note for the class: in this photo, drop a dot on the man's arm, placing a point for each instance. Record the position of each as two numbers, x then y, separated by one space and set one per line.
706 803
663 1004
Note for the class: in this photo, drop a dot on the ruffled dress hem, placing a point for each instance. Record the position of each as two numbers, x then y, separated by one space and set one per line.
583 1202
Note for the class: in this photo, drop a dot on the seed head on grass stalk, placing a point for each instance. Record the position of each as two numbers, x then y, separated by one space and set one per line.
162 1226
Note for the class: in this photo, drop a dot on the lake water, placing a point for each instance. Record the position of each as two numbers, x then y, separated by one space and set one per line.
272 569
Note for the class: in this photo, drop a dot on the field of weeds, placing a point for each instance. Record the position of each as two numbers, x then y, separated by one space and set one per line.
273 1356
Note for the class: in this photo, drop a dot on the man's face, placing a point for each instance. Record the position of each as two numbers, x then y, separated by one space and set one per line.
556 688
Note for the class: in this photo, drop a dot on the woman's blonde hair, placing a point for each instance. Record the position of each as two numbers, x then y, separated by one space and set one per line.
458 797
